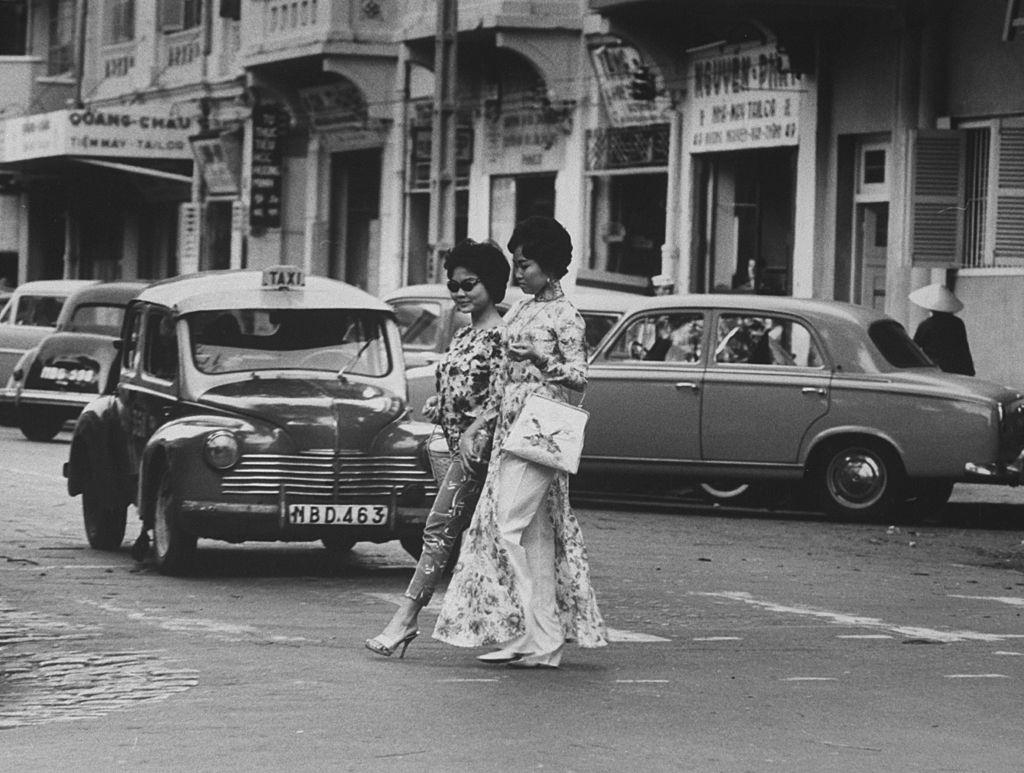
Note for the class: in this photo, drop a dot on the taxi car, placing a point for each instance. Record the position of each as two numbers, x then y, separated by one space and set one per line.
29 316
253 406
71 366
428 319
741 389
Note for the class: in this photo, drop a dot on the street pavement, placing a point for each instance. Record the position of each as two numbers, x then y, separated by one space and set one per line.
739 642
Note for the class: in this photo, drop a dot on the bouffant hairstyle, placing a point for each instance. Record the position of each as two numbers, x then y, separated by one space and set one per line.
486 260
544 241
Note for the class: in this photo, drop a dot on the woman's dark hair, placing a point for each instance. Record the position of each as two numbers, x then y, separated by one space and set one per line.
545 242
486 260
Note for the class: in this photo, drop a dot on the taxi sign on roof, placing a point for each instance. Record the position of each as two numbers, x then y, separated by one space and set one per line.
283 278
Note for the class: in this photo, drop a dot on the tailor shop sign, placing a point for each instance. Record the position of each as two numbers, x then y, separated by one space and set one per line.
109 133
743 100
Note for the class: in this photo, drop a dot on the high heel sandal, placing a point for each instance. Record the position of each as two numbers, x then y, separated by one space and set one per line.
376 646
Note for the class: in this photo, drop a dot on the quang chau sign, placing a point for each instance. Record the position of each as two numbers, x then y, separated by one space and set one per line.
115 132
742 99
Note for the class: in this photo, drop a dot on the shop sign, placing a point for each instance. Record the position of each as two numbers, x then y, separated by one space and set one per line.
742 100
218 157
265 174
521 139
334 105
615 67
121 132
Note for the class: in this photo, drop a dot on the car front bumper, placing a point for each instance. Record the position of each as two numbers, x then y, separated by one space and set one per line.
237 522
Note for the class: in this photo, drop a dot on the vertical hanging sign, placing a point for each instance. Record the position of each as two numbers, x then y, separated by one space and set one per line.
265 186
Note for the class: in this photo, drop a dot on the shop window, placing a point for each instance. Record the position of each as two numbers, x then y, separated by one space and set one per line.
628 223
62 35
120 21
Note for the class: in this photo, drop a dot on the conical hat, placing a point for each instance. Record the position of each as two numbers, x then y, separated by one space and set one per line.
936 297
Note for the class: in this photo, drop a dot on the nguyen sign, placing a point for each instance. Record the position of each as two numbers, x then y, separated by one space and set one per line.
117 132
742 100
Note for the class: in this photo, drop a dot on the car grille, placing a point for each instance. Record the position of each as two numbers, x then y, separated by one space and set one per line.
324 475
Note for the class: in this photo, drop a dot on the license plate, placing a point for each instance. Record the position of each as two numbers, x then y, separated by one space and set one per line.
337 515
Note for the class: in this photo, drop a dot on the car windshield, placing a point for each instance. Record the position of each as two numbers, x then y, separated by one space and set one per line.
896 346
336 340
38 310
418 322
96 318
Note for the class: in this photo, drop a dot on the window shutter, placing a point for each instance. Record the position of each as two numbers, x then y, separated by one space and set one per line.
172 15
1009 236
937 198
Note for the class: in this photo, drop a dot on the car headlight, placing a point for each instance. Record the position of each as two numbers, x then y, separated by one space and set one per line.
221 449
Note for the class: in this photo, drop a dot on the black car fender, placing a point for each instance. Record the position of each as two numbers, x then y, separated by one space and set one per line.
99 451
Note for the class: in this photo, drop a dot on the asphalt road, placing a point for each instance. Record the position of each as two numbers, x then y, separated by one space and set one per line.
742 641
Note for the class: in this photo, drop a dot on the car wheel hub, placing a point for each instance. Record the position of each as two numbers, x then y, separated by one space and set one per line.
856 478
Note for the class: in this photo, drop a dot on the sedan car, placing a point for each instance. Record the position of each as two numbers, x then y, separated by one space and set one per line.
253 406
74 364
31 315
428 319
735 389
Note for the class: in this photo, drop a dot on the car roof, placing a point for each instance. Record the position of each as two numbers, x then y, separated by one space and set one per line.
242 289
52 286
105 293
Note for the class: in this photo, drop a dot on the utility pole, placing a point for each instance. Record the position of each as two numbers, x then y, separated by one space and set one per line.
441 227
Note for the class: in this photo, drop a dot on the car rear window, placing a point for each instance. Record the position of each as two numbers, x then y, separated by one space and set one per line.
96 318
38 310
898 349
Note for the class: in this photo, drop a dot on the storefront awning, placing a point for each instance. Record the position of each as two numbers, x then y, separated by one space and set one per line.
143 170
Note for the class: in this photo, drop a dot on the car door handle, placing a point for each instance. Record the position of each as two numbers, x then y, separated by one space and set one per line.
815 391
691 385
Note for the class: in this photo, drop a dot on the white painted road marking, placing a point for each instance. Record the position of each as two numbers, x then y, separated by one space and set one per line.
718 638
614 634
864 636
810 679
641 681
1015 601
977 676
1005 652
857 621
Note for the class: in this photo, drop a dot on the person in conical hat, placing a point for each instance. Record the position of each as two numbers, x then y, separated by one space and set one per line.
943 335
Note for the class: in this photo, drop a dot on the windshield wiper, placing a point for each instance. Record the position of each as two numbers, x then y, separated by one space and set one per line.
353 361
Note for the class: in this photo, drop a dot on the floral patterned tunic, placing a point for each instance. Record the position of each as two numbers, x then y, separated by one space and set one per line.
482 605
467 379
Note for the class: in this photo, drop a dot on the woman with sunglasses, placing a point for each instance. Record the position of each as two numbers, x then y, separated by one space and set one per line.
523 580
466 394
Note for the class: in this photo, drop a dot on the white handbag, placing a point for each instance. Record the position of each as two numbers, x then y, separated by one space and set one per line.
548 432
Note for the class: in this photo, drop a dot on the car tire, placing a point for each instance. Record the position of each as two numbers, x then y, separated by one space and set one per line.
173 548
105 523
726 491
338 545
38 425
858 478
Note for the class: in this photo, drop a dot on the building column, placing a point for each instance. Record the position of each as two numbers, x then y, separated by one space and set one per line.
805 215
315 248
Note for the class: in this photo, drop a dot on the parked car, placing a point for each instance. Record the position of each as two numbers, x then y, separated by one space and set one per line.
737 389
428 319
254 406
29 316
71 366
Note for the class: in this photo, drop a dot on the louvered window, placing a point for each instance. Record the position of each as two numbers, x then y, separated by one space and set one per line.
976 197
1008 249
937 198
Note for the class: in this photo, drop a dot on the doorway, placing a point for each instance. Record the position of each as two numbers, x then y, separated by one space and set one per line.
516 198
355 215
871 244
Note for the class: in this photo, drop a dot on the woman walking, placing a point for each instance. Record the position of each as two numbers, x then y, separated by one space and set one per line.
466 393
523 580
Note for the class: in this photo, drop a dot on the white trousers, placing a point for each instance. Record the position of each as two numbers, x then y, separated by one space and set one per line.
527 535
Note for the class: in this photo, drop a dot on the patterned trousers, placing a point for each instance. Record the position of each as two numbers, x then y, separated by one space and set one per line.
452 511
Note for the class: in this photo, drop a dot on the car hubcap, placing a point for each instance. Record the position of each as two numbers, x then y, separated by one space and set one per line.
856 478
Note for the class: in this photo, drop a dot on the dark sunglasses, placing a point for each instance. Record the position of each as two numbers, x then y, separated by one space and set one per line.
465 285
